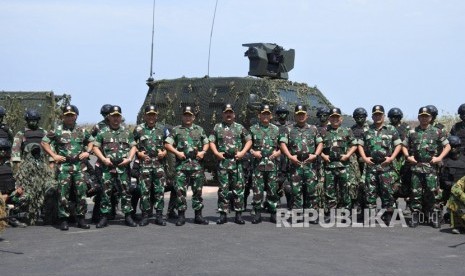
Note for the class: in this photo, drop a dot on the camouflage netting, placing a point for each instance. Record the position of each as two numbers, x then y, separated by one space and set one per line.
37 178
3 214
46 103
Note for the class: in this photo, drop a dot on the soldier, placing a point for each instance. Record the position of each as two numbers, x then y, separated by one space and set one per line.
73 146
150 136
32 133
458 129
434 115
456 204
425 147
265 150
115 147
338 145
302 144
402 184
189 143
284 188
229 142
322 114
5 131
379 147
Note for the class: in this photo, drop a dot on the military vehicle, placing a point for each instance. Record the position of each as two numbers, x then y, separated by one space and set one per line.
267 83
46 103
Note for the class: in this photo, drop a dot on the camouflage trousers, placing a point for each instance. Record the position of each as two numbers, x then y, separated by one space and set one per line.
304 183
337 188
66 177
379 183
182 178
426 194
118 182
265 180
152 179
231 183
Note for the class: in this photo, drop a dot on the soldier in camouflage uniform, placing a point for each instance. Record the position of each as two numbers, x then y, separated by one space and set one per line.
5 131
32 133
425 147
322 114
73 146
302 144
338 145
114 145
229 142
189 143
284 187
265 150
456 204
378 148
150 137
404 173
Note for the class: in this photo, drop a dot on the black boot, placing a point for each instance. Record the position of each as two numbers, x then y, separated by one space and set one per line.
223 218
172 214
64 225
103 221
181 219
257 218
387 218
129 221
159 218
273 217
415 219
16 223
199 219
238 218
435 219
81 223
145 219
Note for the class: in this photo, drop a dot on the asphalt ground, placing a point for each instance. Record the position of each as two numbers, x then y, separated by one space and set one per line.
230 249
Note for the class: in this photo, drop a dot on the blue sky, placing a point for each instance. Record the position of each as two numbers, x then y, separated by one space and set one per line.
403 53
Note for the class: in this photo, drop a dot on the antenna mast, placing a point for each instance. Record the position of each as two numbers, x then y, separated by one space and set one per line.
150 79
211 34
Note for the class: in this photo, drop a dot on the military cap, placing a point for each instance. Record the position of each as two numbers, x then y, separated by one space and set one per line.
300 109
115 110
228 107
335 111
151 109
187 109
377 109
265 108
424 111
70 109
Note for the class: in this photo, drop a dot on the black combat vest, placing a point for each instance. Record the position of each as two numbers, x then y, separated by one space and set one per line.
4 132
7 182
32 136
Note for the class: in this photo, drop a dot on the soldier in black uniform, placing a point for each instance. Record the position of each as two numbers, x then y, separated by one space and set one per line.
5 131
434 115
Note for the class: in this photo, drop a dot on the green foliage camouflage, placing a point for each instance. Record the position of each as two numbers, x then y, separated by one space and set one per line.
47 104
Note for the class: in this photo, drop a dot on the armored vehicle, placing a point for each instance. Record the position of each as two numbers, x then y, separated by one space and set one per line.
267 83
46 103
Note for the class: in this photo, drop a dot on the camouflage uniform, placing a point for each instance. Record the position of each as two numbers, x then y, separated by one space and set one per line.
230 139
357 191
152 172
403 169
116 145
70 142
337 142
265 140
456 204
302 141
188 140
379 180
23 138
424 144
284 187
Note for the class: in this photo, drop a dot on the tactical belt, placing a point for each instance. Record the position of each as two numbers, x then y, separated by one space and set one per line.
378 160
228 155
302 156
72 159
423 159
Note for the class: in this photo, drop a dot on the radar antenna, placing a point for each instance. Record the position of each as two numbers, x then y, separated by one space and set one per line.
211 34
150 79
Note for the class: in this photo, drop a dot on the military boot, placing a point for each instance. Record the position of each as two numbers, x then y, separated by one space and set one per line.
199 219
273 217
435 219
415 219
16 223
145 219
387 218
129 221
257 218
103 221
181 219
81 223
64 224
223 218
172 214
238 218
159 218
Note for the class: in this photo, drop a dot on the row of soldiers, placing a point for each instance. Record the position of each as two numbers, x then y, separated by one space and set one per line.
312 164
